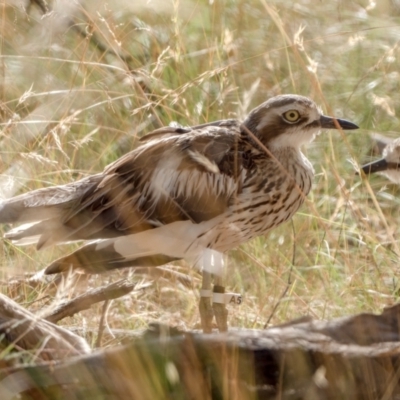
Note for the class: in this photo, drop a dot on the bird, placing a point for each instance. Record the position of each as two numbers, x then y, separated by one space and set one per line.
188 193
389 164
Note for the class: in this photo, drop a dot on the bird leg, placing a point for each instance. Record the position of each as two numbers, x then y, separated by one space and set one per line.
219 307
205 308
213 266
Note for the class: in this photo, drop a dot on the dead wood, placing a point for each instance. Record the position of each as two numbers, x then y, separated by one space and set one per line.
22 329
110 292
86 300
348 358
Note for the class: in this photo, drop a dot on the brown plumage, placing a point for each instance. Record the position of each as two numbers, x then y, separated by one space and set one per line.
184 193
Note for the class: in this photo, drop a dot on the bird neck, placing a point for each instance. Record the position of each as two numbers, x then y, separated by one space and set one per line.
295 163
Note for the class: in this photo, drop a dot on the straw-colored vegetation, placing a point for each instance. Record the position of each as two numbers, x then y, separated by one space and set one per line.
78 86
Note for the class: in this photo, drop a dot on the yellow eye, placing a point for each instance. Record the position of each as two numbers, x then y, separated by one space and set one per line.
291 116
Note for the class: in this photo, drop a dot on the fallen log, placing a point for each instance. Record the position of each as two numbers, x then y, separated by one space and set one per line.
347 358
21 329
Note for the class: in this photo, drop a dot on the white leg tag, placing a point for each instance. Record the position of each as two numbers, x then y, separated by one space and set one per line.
227 298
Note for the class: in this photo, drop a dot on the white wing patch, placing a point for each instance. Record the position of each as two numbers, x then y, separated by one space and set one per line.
204 161
168 180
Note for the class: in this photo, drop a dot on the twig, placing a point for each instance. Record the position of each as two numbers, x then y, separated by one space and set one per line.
102 324
86 300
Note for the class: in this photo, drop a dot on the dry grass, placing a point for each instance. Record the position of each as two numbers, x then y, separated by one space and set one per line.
68 108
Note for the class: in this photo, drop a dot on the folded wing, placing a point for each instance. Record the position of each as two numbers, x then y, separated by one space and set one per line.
180 174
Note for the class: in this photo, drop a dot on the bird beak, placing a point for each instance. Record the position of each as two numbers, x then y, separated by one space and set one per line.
336 123
376 166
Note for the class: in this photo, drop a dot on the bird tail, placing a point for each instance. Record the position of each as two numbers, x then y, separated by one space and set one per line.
31 207
42 213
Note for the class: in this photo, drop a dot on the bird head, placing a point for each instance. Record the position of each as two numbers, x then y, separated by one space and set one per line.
389 164
290 121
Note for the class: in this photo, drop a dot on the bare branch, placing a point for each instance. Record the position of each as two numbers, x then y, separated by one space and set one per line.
86 300
22 328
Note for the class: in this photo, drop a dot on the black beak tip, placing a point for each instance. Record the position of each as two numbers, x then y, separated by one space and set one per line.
335 123
348 125
344 124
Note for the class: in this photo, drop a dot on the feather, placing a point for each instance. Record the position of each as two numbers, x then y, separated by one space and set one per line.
183 193
174 178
